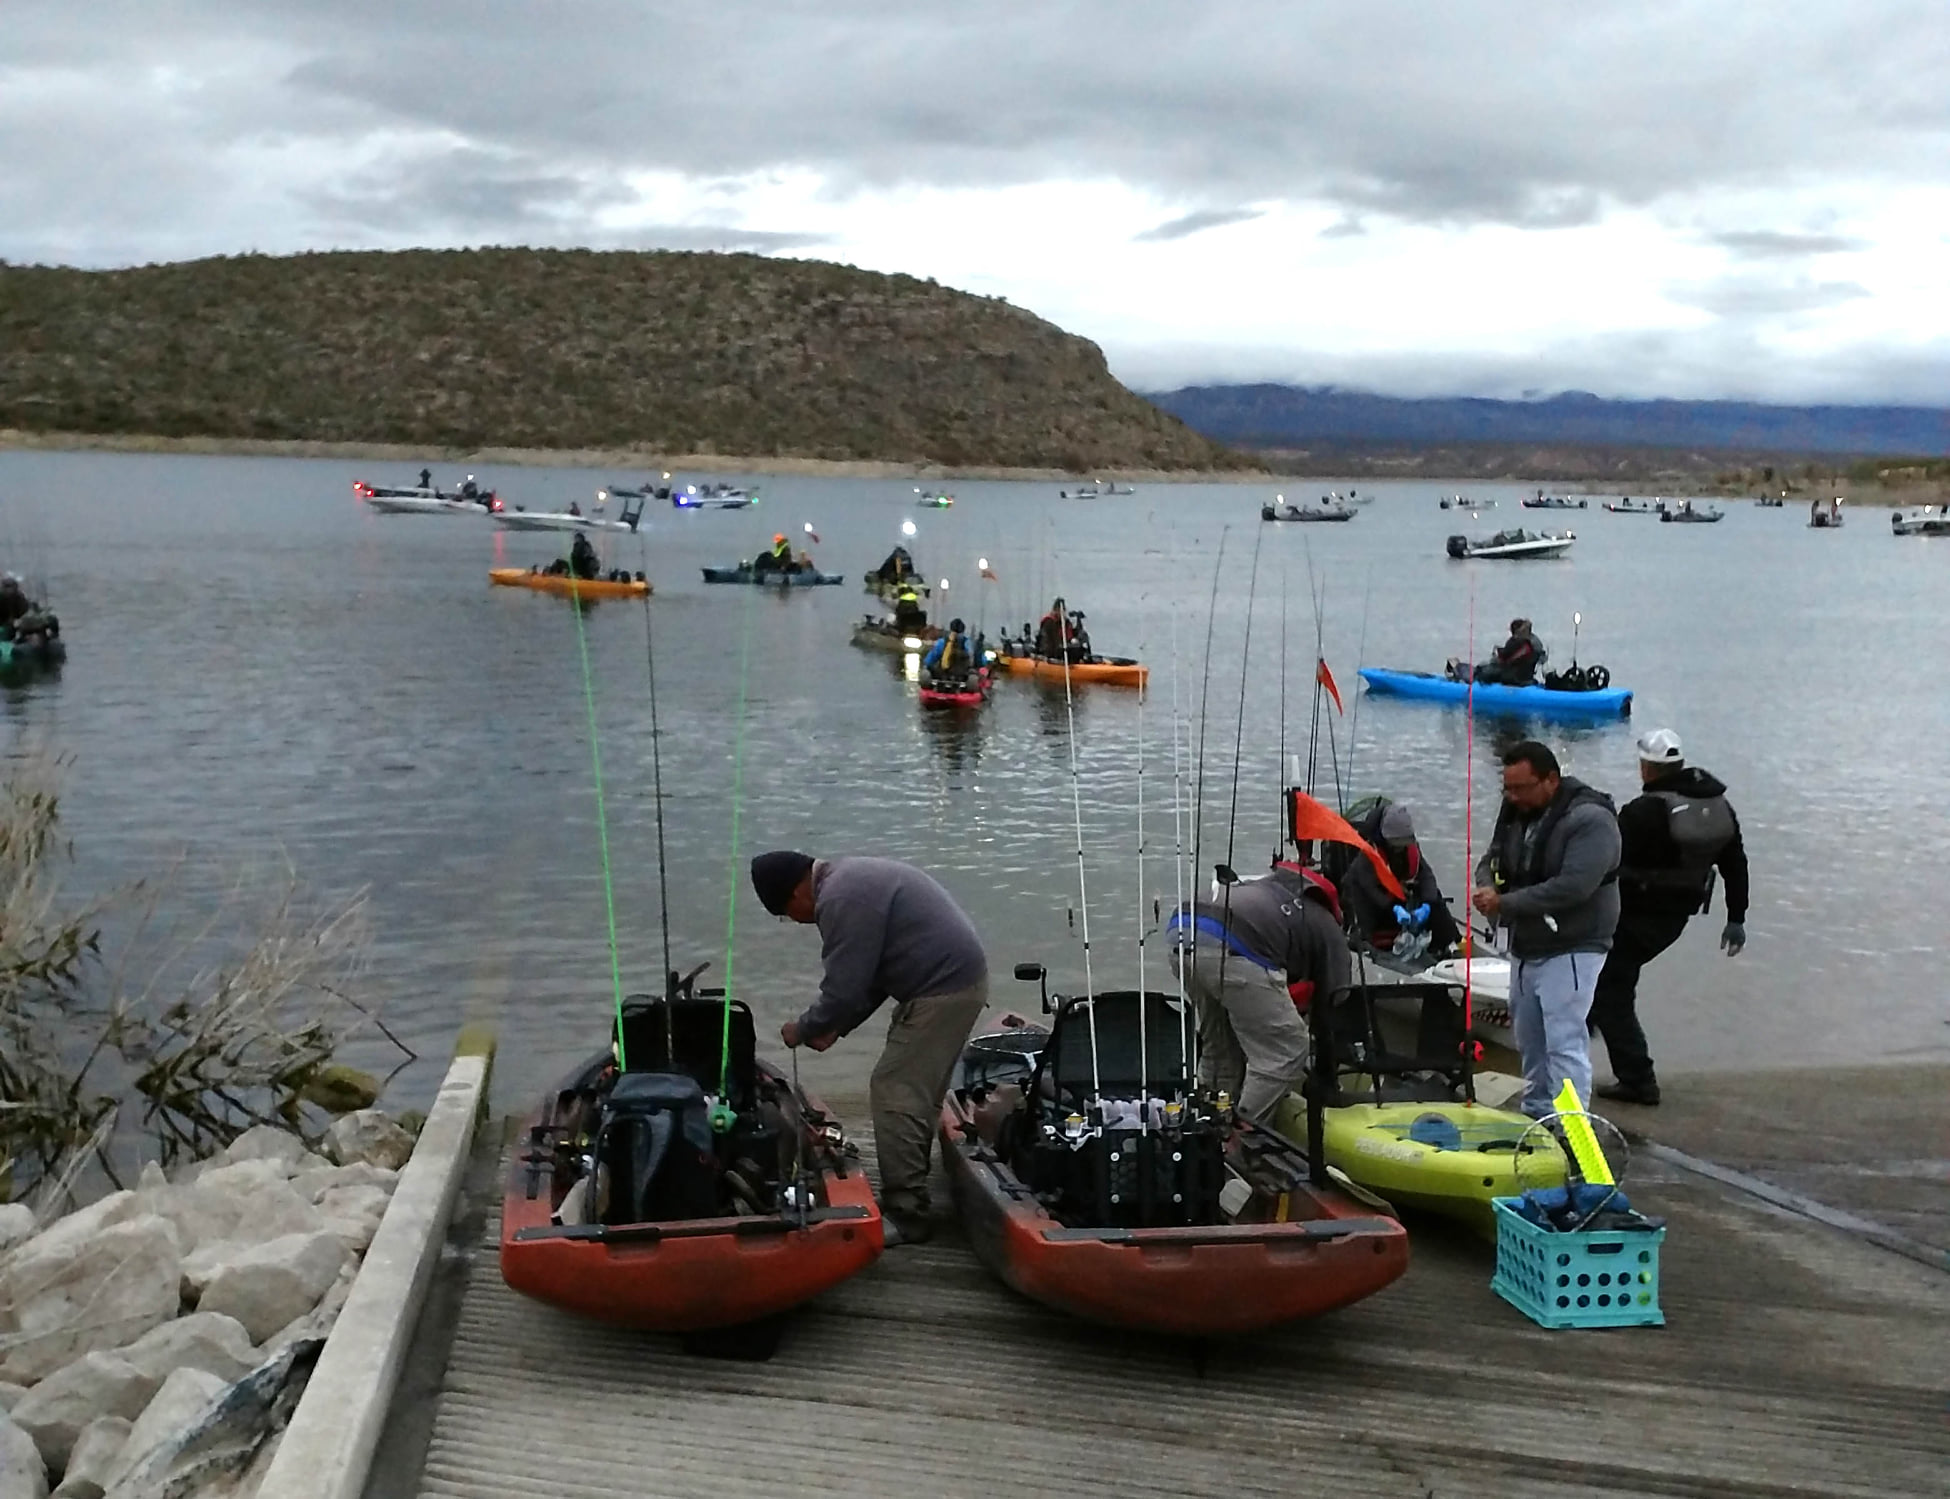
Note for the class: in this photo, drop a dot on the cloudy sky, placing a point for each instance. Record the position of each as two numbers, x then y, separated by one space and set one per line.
1637 197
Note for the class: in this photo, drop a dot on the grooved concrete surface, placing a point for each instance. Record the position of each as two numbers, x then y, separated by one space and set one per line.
1797 1361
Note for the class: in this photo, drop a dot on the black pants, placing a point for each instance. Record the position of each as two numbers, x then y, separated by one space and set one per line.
1638 940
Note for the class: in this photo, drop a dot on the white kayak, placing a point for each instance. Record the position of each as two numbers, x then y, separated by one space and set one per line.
566 520
1489 984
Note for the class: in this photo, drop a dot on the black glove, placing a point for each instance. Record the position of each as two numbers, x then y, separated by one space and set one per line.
1733 938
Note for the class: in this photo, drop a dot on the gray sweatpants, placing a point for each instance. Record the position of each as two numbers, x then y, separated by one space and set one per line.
925 1039
1252 1041
1550 999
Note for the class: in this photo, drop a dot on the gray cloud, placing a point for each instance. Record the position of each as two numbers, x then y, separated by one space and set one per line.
1776 244
1760 295
1194 223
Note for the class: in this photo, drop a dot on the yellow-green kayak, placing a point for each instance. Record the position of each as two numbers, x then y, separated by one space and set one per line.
1448 1158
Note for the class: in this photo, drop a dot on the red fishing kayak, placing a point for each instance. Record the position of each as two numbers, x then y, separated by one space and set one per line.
1190 1225
702 1218
972 693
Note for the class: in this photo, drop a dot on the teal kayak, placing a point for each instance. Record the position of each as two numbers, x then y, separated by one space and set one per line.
743 573
1610 702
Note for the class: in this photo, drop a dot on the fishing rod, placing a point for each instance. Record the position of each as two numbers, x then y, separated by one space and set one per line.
1144 994
602 823
1230 877
720 1116
1204 717
1083 893
1469 855
1360 658
1178 864
1279 765
657 792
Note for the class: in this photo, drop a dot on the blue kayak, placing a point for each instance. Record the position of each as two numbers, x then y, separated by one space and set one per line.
1610 702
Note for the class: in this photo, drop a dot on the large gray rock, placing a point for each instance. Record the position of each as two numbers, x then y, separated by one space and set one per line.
265 1286
64 1294
184 1401
22 1473
83 1224
203 1340
316 1325
96 1384
10 1395
353 1213
250 1202
312 1185
95 1452
368 1136
16 1224
263 1142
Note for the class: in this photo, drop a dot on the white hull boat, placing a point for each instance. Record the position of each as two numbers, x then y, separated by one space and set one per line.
1513 545
560 520
1925 520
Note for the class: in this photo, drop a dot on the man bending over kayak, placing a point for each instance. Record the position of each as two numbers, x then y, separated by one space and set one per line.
888 932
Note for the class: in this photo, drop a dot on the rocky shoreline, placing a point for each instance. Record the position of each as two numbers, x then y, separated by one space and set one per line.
155 1342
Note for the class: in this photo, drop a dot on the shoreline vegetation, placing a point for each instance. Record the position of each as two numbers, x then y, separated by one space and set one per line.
1887 482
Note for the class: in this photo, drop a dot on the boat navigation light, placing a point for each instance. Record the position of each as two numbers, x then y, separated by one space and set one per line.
911 642
982 563
944 585
1577 618
907 528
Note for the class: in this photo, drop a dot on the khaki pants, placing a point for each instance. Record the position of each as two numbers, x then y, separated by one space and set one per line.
924 1041
1252 1041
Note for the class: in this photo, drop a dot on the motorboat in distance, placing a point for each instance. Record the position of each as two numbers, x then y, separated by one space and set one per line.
1512 545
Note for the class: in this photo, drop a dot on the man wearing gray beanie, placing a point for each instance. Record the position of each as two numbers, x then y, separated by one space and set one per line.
889 931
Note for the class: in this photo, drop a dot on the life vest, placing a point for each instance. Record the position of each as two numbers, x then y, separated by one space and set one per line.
1520 846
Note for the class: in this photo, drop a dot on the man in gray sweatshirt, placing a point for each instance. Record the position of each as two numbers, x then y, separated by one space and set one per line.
1551 878
888 932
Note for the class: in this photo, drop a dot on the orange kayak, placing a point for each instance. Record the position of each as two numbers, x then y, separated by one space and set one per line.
566 586
1119 671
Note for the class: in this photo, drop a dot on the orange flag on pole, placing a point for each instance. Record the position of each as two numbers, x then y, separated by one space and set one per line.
1308 821
1326 679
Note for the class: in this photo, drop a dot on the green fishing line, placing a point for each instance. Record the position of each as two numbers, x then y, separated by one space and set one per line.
602 823
737 812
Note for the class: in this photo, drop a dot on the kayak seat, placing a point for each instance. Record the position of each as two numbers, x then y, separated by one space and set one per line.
655 1141
689 1042
1125 1050
1427 1066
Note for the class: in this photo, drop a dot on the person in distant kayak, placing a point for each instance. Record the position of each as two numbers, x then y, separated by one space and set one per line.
897 567
1674 835
14 603
582 557
951 656
1551 877
1253 961
1422 918
1515 663
908 613
1053 632
777 560
888 931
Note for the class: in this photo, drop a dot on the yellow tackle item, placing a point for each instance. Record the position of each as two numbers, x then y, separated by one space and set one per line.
1584 1144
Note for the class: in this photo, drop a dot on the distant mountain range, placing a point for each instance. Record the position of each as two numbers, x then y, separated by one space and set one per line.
1296 417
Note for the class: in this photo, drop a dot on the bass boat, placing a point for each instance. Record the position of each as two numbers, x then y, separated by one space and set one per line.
416 501
712 496
1492 697
1544 501
614 585
675 1183
1092 1177
1513 545
935 500
1924 520
1404 1123
1327 510
572 519
772 577
1630 506
1687 514
1825 515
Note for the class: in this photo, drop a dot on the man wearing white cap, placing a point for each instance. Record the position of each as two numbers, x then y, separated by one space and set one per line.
1674 835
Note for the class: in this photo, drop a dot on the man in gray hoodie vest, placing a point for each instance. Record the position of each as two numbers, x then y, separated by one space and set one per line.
888 932
1551 878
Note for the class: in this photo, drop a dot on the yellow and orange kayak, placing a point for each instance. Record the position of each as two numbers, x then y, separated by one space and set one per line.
1119 671
566 586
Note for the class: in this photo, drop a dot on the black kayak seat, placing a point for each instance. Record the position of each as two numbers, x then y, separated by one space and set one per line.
690 1042
1124 1052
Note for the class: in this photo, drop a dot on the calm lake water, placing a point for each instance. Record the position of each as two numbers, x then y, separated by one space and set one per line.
264 671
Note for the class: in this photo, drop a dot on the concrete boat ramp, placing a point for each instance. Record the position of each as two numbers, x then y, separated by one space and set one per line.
1799 1358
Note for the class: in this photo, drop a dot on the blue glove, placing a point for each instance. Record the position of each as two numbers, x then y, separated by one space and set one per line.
1404 917
1734 937
1422 914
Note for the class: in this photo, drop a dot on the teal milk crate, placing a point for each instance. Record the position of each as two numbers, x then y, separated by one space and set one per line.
1597 1278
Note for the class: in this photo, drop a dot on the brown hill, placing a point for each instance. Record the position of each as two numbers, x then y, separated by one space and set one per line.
664 351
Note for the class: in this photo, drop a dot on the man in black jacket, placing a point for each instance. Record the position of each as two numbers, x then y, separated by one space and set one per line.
1674 834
